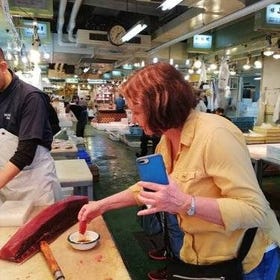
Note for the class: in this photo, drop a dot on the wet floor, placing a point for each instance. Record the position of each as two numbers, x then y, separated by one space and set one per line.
116 160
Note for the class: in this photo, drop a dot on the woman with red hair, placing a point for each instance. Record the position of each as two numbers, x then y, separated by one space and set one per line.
212 187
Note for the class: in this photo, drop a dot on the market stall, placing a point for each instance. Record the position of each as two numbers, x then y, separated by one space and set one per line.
101 262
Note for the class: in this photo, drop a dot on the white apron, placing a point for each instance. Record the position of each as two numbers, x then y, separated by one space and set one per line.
37 182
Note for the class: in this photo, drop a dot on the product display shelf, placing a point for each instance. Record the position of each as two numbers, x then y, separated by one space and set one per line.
244 123
271 133
254 138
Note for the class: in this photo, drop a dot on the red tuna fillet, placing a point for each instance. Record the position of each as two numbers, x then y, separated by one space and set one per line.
46 225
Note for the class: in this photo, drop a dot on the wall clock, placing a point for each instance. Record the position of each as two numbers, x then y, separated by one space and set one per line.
115 34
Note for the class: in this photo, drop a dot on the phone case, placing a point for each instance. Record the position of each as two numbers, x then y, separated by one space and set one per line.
151 168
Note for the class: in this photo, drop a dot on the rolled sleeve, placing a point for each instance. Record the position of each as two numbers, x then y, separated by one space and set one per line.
135 189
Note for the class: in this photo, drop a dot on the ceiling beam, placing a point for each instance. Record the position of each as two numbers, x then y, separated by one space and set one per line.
192 12
216 23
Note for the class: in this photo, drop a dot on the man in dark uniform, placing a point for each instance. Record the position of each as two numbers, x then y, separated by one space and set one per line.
27 170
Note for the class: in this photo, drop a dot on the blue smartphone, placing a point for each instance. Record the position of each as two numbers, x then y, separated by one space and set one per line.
151 168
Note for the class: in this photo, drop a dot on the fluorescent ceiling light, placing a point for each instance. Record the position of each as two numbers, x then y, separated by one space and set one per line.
133 31
268 52
169 4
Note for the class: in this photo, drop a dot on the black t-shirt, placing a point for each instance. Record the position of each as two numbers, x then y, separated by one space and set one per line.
24 112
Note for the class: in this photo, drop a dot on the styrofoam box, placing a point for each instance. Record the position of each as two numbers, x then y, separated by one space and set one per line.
273 151
15 213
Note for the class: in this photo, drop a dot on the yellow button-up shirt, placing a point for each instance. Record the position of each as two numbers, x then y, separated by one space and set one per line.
213 161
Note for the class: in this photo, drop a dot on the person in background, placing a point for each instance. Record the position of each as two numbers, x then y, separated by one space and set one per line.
200 103
144 139
27 170
221 112
83 102
81 114
212 188
53 117
120 104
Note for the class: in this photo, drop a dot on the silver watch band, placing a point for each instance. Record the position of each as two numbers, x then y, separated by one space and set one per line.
191 210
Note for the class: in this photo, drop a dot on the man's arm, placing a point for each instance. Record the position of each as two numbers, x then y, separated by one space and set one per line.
7 173
23 156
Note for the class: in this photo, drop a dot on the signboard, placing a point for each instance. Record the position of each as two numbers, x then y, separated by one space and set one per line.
43 29
71 80
116 73
268 19
273 14
202 41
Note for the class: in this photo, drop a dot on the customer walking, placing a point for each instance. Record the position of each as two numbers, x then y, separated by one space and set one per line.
81 114
212 187
120 104
27 170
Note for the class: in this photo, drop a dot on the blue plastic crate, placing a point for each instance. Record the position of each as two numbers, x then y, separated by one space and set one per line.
135 130
243 123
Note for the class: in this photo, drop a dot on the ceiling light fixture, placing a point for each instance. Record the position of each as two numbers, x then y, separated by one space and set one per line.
169 4
247 66
34 56
86 69
155 60
213 66
134 30
258 64
197 64
191 71
268 52
276 55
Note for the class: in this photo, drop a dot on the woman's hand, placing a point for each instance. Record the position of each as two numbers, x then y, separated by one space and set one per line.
167 198
89 211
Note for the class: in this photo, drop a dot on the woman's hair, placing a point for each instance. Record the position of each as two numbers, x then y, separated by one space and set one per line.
2 56
162 93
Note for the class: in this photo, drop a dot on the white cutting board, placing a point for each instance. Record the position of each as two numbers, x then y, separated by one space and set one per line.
14 213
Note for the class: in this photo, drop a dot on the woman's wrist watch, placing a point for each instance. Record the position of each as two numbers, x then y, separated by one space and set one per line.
191 210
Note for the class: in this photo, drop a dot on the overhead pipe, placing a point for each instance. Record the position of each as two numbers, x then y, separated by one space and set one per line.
231 17
72 21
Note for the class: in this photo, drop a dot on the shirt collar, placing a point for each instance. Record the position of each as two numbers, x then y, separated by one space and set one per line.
188 130
187 136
